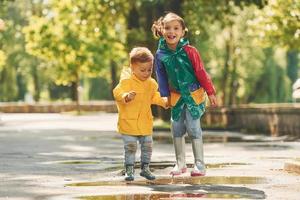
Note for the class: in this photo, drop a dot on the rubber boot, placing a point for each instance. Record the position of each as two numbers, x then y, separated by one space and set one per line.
145 172
199 167
180 167
129 173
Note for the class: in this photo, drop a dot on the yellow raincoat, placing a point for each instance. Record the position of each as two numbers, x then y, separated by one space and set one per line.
135 117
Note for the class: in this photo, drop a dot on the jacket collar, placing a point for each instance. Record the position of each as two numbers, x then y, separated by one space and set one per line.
137 79
162 44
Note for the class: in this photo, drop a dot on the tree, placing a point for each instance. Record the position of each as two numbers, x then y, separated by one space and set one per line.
77 38
221 35
12 43
277 25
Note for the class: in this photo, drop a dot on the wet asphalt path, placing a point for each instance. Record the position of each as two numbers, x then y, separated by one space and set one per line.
54 156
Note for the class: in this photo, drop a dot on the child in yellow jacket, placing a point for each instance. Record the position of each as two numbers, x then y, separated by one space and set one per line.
134 95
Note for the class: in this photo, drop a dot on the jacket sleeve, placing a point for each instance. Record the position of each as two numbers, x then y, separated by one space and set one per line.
120 91
200 72
162 77
156 98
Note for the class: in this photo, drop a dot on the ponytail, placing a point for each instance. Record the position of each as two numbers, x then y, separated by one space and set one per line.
157 27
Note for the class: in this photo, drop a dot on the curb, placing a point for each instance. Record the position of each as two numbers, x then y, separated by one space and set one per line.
292 166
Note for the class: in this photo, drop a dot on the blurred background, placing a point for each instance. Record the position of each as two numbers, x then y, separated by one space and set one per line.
68 50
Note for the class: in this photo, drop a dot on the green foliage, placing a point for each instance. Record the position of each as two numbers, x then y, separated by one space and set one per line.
231 56
232 35
59 92
2 59
278 24
98 89
12 44
249 47
77 37
292 65
273 84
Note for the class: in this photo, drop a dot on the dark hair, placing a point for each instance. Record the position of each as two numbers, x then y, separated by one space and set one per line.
159 24
140 54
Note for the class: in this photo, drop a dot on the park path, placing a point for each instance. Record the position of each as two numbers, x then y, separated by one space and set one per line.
62 156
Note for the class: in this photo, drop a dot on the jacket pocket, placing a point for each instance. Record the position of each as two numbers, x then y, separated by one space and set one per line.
198 96
130 111
174 98
128 125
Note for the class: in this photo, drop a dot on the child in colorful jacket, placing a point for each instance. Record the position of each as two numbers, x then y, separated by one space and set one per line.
182 78
134 95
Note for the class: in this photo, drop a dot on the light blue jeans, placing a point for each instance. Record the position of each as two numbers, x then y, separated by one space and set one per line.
130 148
186 123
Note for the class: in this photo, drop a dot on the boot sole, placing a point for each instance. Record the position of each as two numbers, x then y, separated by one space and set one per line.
177 173
129 179
197 174
150 179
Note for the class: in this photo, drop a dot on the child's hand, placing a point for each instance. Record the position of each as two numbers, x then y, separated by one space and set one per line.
213 100
167 104
130 96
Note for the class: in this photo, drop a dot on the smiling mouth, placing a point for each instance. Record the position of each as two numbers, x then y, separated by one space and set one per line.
171 37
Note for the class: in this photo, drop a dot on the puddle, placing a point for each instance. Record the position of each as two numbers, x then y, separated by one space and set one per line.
231 180
223 165
154 165
166 196
184 188
162 165
171 192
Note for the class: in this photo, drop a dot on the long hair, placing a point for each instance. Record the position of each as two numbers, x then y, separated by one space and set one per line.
158 25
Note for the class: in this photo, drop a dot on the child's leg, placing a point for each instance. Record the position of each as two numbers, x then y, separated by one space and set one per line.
146 153
178 131
130 147
195 132
146 148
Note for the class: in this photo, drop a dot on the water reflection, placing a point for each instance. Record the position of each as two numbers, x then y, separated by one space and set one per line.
181 180
231 193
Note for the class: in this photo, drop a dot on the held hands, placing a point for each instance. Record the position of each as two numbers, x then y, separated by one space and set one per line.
167 103
130 96
213 100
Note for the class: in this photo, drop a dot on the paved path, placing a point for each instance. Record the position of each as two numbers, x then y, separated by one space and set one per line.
53 156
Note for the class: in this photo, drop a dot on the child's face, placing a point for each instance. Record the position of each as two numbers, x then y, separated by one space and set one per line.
142 71
173 32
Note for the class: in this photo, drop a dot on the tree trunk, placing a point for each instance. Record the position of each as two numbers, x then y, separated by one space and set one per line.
292 65
225 73
75 92
37 90
227 64
233 83
113 75
78 93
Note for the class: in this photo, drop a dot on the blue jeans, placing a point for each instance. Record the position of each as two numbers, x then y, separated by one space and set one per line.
186 123
130 148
